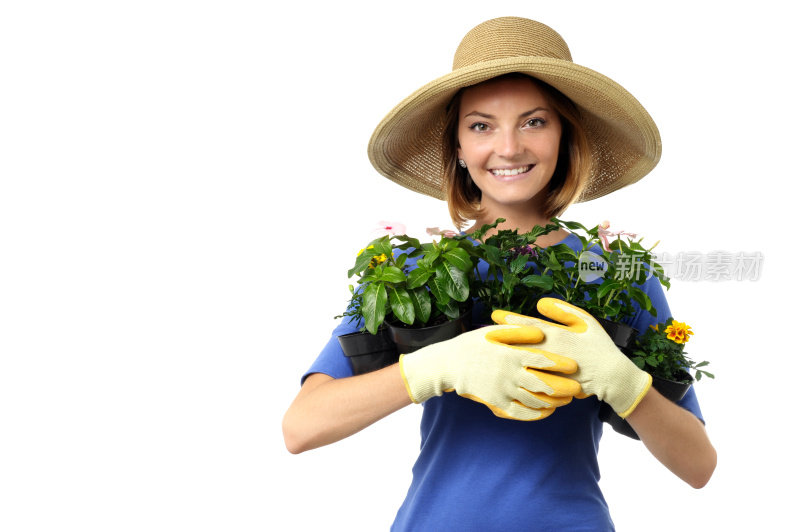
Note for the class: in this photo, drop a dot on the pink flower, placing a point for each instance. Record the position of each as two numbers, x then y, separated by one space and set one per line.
390 228
604 233
434 231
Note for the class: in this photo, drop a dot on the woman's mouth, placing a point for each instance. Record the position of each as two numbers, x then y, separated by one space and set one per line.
511 172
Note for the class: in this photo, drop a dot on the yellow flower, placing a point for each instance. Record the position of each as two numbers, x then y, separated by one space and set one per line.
376 259
678 332
362 250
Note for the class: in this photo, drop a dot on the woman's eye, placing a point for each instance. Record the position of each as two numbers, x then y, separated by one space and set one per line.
479 126
535 122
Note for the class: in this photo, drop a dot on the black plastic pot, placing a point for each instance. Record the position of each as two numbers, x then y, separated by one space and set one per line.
369 352
623 335
410 339
672 390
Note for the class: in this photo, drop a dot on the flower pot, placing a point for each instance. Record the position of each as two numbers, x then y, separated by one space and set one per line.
672 390
623 335
369 352
410 339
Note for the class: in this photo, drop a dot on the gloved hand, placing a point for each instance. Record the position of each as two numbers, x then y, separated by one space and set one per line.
487 366
603 370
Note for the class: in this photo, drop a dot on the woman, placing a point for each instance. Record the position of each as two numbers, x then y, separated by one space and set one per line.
515 131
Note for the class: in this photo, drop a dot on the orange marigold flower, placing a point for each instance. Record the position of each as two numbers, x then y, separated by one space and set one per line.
678 332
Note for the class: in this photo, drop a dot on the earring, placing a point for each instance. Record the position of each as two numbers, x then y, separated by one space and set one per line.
461 163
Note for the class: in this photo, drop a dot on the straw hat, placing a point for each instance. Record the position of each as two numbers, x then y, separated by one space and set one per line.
406 146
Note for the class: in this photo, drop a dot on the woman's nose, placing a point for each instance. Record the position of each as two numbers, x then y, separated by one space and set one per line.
508 143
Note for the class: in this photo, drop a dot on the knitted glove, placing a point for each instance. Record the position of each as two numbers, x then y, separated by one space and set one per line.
603 370
487 366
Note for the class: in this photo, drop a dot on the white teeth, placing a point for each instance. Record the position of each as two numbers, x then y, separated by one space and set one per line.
514 171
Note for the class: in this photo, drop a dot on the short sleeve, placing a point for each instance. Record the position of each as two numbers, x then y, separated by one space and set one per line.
331 360
642 319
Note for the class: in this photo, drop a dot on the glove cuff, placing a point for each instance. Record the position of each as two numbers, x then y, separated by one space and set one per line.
421 383
645 389
636 385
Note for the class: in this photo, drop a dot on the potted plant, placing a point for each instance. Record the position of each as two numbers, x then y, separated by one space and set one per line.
366 350
661 352
410 292
510 278
603 277
611 293
439 275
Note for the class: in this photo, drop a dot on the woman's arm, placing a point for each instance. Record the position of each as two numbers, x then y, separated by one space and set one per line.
675 437
327 410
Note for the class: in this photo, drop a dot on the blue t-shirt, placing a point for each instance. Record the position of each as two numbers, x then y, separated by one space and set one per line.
476 471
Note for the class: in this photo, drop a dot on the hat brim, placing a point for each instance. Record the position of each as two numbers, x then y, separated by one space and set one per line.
406 146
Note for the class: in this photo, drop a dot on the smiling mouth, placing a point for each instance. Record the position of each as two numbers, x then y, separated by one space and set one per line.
510 172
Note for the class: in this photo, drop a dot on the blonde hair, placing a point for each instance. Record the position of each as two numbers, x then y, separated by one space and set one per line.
569 178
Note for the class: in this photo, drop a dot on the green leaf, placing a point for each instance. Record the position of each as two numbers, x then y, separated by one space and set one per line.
640 297
509 282
362 263
408 242
492 254
393 274
552 262
454 281
571 225
545 282
438 291
421 299
447 244
431 255
418 277
607 286
383 247
401 303
518 264
373 307
400 261
459 258
450 309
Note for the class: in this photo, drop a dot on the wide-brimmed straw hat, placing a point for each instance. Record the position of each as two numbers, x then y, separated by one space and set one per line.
406 146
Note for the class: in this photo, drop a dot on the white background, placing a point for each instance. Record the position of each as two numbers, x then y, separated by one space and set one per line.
184 185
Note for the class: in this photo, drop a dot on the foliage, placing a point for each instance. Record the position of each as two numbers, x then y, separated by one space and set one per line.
390 288
513 281
520 272
660 352
415 283
628 264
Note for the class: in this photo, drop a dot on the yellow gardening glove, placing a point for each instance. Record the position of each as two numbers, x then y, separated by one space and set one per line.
487 366
603 370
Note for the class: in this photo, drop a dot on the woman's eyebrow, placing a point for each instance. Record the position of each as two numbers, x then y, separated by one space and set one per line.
526 113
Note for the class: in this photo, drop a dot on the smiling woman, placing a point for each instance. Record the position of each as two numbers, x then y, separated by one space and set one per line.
548 115
508 140
515 131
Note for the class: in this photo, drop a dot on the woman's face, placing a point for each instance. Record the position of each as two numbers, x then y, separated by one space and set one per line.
509 135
